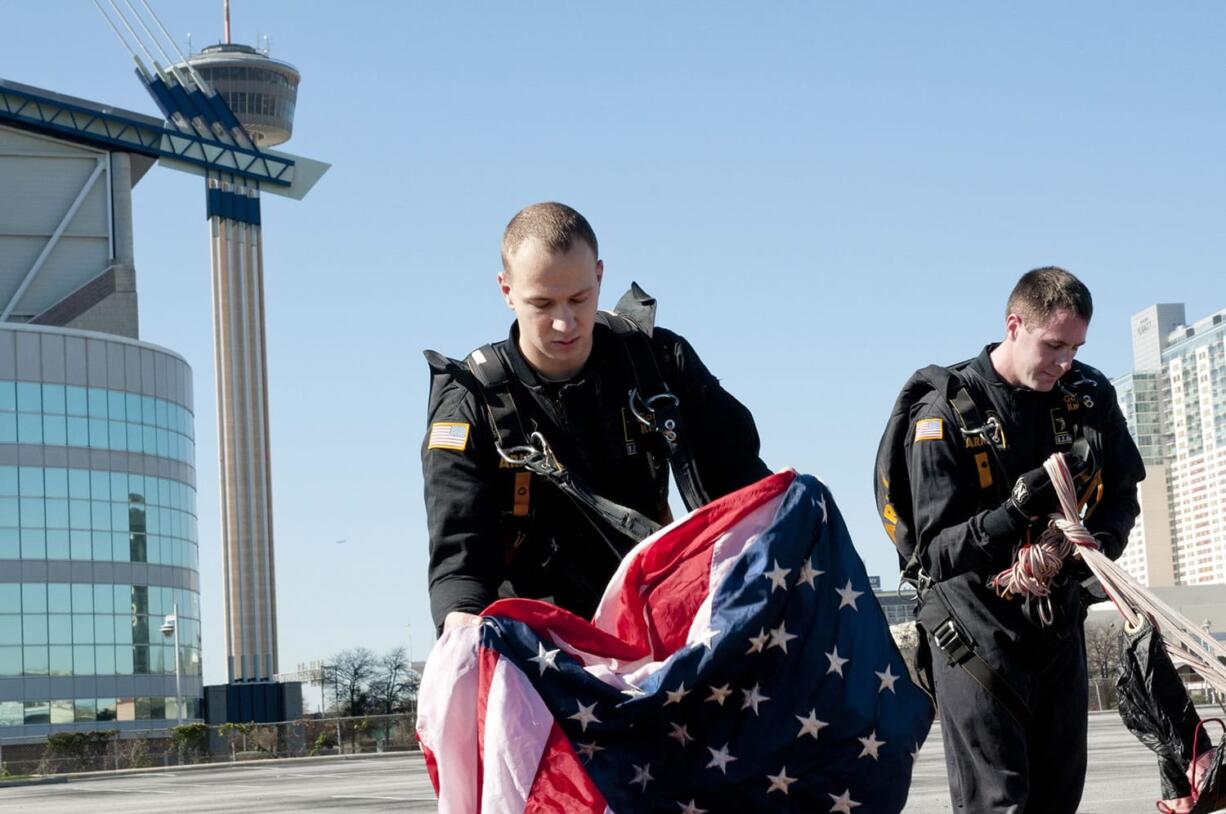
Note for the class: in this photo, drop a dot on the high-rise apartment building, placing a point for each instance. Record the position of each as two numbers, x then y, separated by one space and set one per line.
1175 403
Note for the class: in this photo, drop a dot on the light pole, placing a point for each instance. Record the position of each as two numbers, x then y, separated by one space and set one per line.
170 626
1210 693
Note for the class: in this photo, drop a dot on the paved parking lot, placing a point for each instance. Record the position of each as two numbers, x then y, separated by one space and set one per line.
1123 779
382 783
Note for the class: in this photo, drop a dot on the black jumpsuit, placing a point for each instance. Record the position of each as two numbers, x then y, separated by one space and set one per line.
491 538
996 764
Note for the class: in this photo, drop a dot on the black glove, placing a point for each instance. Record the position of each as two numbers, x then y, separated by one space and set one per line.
1033 496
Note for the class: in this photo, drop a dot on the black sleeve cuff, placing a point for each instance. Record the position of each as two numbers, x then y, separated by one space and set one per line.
458 594
1109 544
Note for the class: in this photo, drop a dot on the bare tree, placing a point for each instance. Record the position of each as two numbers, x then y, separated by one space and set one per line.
1103 663
1103 650
394 682
350 673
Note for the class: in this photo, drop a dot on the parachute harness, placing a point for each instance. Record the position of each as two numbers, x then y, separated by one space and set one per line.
1037 564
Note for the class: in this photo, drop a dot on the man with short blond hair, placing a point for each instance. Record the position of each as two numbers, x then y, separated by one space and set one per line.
547 455
556 227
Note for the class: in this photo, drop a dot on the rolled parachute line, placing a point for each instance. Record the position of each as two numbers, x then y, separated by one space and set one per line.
1186 642
1153 702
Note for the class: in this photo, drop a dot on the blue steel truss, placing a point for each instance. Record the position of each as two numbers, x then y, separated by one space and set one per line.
27 108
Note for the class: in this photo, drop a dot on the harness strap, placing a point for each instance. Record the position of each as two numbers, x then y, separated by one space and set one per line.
972 424
936 617
654 405
487 366
626 520
517 448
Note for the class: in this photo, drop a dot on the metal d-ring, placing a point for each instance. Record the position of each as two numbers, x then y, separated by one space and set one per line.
648 406
537 457
992 431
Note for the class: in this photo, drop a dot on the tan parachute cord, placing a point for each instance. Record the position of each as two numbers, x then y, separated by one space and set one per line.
1185 641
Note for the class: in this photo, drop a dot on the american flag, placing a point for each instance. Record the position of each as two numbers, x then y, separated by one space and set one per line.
448 435
738 661
929 429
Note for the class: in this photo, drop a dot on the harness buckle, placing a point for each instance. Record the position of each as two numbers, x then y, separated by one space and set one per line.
951 642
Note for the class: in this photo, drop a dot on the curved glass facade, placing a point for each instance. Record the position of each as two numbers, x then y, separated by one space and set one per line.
93 417
84 514
97 533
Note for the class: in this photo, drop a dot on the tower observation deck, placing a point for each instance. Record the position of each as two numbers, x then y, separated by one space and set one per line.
259 90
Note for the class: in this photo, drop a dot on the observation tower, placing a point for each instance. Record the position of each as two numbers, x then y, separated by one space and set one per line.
225 107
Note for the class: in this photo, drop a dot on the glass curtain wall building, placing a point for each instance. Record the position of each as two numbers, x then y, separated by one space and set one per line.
97 533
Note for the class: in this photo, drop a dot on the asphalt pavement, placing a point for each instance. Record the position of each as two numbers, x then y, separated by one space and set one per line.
1123 779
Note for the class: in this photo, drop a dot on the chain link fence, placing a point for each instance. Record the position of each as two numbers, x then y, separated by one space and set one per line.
108 750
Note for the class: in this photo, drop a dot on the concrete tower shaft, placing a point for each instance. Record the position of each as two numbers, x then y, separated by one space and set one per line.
241 369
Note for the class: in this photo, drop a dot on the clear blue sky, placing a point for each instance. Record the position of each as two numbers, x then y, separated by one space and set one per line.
823 198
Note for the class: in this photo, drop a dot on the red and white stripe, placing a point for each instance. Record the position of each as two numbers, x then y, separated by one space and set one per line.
486 733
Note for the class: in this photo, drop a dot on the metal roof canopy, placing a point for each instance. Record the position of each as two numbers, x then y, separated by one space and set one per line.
113 128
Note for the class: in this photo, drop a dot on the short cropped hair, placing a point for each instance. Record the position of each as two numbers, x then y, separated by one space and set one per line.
1044 291
555 225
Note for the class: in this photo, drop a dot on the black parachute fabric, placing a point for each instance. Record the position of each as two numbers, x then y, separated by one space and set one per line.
1213 788
1155 706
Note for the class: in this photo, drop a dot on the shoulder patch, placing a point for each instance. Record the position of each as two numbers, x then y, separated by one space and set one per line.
930 429
449 435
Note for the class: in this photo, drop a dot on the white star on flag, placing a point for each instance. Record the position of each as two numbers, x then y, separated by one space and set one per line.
720 759
887 680
778 577
585 715
810 725
691 808
915 754
871 745
780 638
836 663
681 734
822 502
843 804
705 637
545 658
757 643
847 596
675 696
720 694
753 698
781 781
642 776
589 750
807 574
633 692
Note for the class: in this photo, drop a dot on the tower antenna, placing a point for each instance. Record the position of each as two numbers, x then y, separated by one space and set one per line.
226 7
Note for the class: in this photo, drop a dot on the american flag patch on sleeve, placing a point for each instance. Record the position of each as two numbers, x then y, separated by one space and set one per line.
929 429
448 435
